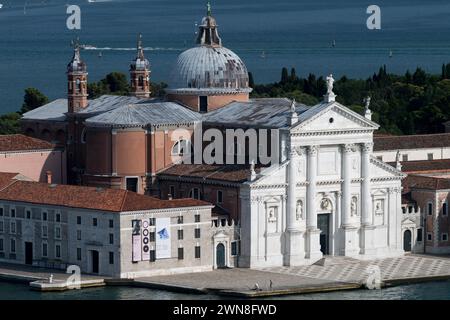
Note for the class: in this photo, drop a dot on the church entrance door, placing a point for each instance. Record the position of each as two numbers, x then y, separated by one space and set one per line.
220 256
407 241
323 223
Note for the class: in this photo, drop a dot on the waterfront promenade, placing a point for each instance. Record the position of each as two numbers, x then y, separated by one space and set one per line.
333 274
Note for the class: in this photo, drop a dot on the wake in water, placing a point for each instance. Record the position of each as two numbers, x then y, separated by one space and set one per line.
89 47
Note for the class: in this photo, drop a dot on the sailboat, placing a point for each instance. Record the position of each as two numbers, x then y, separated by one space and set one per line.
100 54
333 44
263 55
391 54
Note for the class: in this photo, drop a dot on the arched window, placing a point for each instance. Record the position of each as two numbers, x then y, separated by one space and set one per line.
141 82
181 148
46 135
194 193
83 136
78 85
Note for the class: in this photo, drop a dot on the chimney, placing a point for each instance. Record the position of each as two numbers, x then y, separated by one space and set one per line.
49 177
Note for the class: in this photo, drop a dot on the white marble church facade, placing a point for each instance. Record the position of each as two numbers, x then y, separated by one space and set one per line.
330 196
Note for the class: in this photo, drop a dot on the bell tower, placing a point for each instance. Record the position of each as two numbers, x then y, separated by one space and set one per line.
77 96
140 73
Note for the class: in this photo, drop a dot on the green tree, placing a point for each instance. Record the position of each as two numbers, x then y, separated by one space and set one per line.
284 75
251 81
9 123
33 99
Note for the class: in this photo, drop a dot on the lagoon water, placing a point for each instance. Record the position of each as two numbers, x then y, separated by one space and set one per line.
35 43
424 291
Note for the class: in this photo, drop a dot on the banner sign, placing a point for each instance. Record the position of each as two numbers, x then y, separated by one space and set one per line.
145 240
137 242
163 238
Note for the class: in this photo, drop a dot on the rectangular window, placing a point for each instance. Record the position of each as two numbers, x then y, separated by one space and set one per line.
197 218
445 237
28 214
111 238
13 213
152 255
132 184
79 254
235 248
380 158
78 220
78 234
219 196
180 253
180 220
44 249
203 104
444 209
111 258
429 236
58 217
44 216
1 226
430 156
57 233
197 252
172 191
111 223
405 157
12 227
44 231
1 245
180 234
430 208
152 237
13 245
197 233
419 235
1 211
152 221
194 193
58 251
94 222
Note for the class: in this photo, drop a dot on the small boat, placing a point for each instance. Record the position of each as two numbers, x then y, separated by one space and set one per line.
333 44
391 54
1 5
100 54
263 55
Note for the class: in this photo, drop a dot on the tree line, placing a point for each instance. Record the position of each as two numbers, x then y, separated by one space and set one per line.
414 103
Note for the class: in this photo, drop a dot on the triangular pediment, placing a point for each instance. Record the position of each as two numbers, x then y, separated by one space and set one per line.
382 169
332 117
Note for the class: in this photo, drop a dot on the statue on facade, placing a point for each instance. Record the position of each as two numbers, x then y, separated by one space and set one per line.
353 206
299 210
330 84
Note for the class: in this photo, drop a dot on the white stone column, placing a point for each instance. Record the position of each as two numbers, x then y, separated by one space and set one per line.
366 199
291 198
313 234
295 252
350 245
311 211
347 150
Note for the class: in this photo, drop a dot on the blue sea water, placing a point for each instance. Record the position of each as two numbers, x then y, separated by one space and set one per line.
35 43
423 291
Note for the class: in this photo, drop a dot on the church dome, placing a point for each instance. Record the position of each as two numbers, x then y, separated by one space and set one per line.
209 68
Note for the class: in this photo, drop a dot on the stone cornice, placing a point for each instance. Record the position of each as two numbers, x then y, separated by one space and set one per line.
331 132
199 180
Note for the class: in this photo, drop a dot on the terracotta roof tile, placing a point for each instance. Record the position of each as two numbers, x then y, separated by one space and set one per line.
113 200
411 142
425 182
230 173
6 179
20 142
425 166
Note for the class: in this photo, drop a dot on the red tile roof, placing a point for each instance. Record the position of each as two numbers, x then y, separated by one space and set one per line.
411 142
425 182
425 166
6 179
114 200
20 142
229 173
